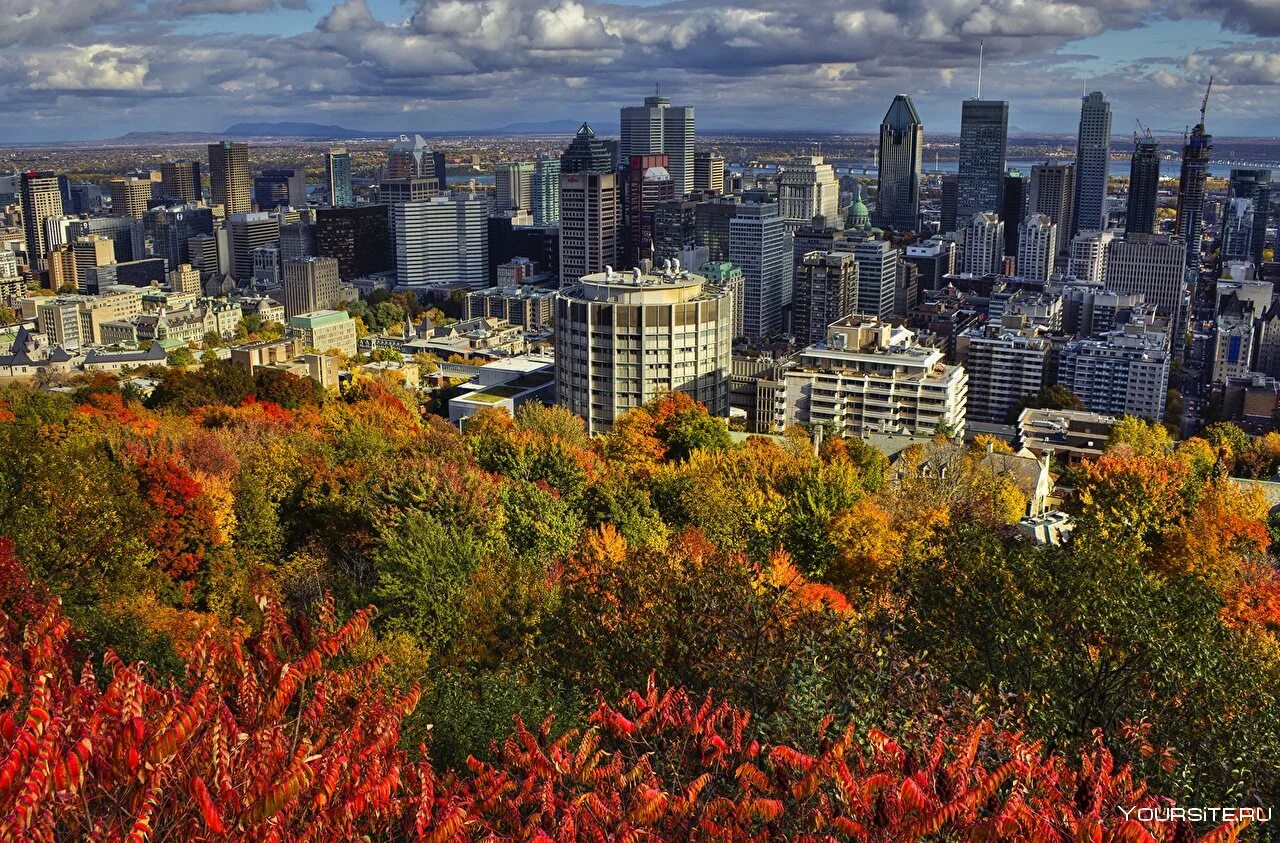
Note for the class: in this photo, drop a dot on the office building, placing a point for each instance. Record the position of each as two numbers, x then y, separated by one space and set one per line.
1014 208
1053 193
728 277
623 339
280 188
984 132
337 176
180 182
298 240
1150 264
1144 186
586 154
900 165
1005 365
935 259
325 331
247 232
708 172
129 197
310 284
950 189
712 218
648 185
869 376
1237 230
1254 185
590 218
1089 255
825 290
209 254
357 237
266 264
877 277
128 234
758 246
658 128
172 229
513 186
546 190
1191 192
229 183
62 269
675 232
41 199
528 306
1124 372
1037 247
443 240
1093 165
91 251
184 279
808 188
411 158
983 244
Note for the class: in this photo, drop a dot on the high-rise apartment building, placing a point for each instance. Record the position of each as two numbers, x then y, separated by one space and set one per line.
1089 255
129 197
623 339
825 290
1053 193
443 240
1191 193
984 134
1037 247
728 277
658 128
1005 364
41 199
758 245
62 269
1144 186
310 284
1237 230
877 277
900 165
1093 165
708 172
585 153
229 183
808 188
337 175
983 244
513 186
648 185
546 190
180 182
1124 372
590 218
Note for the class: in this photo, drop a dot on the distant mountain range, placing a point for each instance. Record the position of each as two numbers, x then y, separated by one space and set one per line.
318 131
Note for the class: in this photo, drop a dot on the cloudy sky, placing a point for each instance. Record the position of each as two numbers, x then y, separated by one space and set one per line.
84 69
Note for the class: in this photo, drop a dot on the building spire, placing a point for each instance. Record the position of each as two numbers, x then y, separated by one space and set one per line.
980 45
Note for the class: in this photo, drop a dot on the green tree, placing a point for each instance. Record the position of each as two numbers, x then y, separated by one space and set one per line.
181 356
1053 397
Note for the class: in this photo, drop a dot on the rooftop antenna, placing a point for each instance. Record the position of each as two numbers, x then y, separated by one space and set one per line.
980 44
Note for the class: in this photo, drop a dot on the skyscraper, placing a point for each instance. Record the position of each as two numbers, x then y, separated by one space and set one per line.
229 183
649 184
1151 264
1144 186
408 158
708 172
277 188
898 180
949 189
1053 193
1037 247
443 240
129 197
1093 163
983 244
1191 184
546 190
310 284
984 134
586 154
180 182
337 172
1013 209
1255 185
758 244
808 188
513 186
590 216
41 199
357 237
658 128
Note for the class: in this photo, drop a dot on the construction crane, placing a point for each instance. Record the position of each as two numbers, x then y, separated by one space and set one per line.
1204 103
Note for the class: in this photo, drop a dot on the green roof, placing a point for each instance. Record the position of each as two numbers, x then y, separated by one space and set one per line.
319 319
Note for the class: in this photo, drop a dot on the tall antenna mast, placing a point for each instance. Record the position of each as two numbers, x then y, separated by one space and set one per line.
980 69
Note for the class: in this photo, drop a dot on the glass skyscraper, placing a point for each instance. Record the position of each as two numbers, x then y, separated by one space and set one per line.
898 180
1093 161
337 168
984 135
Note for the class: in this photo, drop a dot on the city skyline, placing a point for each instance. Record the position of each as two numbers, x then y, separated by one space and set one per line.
80 72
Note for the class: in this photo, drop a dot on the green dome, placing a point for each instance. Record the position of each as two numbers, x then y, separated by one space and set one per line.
859 215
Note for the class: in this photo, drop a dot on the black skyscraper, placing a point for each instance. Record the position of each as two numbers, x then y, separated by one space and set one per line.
984 135
898 180
1191 184
1013 209
357 236
1144 185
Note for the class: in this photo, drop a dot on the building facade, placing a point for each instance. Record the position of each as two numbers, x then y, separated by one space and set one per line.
900 165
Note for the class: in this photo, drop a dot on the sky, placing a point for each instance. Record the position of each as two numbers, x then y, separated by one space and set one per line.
90 69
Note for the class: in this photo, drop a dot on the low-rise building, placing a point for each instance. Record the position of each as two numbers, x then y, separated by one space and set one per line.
1069 435
528 306
326 330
